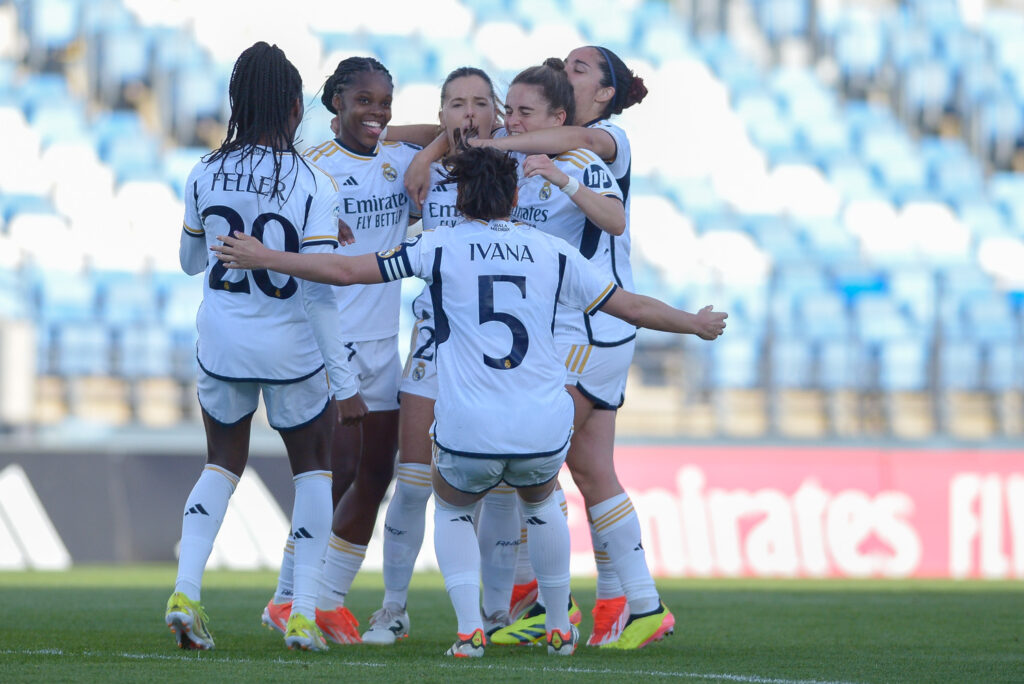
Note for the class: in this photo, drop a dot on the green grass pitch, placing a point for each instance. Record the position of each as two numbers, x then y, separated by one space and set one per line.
106 624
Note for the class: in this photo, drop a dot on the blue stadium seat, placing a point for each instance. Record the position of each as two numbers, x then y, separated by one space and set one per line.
909 42
82 349
1004 367
997 126
821 316
122 58
903 364
926 91
126 299
66 297
959 366
781 19
989 317
878 319
841 366
735 363
58 120
50 24
915 290
860 48
792 363
145 351
12 205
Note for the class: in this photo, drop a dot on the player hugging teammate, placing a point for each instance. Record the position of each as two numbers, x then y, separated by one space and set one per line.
541 330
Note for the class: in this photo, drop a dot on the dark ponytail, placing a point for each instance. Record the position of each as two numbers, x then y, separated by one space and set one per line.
486 179
551 78
629 88
263 89
347 68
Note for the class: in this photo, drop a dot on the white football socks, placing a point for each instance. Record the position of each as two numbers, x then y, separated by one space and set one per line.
608 585
548 539
403 529
311 526
459 559
498 534
204 512
285 577
617 530
341 563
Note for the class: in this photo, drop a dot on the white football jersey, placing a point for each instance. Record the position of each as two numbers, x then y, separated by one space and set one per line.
438 210
621 167
495 286
374 204
543 205
252 324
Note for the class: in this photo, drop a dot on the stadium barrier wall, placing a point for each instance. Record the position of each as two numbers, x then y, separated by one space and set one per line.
705 511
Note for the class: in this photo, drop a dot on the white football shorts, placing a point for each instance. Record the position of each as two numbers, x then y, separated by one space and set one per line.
379 368
599 373
290 405
474 475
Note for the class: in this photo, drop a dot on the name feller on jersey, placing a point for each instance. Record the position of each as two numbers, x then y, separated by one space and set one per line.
233 182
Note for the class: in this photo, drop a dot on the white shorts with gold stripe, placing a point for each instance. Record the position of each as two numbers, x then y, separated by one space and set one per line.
599 373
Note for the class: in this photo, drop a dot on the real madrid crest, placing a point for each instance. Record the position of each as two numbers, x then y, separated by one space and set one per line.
419 371
389 172
545 190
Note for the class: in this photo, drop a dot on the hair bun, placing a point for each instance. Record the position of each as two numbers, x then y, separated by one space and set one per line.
636 93
555 63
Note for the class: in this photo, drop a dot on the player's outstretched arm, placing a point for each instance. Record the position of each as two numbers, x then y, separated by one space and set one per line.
241 251
648 312
556 140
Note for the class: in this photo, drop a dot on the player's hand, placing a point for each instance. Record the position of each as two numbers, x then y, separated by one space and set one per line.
351 411
541 165
709 324
345 234
241 251
417 180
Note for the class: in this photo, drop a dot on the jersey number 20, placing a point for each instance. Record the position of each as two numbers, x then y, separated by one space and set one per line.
262 278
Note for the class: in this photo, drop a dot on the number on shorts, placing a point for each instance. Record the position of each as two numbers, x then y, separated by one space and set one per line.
426 350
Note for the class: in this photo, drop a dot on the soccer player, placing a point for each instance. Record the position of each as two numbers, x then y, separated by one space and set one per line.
469 106
262 332
628 612
502 410
376 209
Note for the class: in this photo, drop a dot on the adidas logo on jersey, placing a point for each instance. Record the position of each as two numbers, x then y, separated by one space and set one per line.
463 518
350 181
534 520
197 510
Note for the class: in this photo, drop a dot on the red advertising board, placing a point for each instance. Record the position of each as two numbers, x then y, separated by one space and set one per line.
820 512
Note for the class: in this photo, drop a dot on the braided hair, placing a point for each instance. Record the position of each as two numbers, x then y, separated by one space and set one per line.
263 88
554 84
342 76
629 88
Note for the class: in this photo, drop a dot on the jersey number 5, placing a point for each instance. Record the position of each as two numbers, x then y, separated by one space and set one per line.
520 338
262 278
